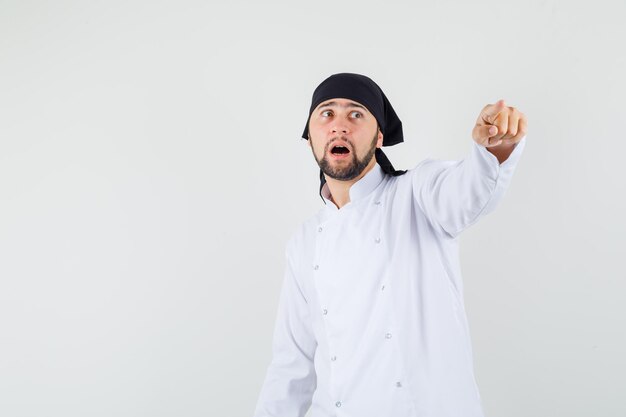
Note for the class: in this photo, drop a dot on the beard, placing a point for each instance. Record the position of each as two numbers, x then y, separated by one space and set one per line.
349 169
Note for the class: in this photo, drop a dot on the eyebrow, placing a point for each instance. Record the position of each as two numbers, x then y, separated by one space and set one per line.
334 103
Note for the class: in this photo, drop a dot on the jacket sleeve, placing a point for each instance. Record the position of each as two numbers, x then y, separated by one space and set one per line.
290 380
456 194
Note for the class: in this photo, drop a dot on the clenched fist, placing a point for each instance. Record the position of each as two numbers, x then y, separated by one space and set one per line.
499 128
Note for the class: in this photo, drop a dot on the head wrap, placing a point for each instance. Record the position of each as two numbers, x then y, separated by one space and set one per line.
364 90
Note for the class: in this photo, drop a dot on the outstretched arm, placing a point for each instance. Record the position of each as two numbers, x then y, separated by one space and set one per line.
456 194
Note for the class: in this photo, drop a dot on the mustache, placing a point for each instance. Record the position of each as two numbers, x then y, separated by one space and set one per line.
342 138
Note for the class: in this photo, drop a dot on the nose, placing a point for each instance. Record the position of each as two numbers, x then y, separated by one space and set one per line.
339 126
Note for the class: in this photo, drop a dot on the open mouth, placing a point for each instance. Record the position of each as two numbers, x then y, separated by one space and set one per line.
339 151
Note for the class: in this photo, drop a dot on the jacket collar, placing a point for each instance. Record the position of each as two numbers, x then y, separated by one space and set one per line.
359 189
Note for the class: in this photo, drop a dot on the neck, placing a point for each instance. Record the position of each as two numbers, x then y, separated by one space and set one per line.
340 190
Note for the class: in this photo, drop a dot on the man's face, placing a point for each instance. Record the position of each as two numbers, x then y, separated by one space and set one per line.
337 123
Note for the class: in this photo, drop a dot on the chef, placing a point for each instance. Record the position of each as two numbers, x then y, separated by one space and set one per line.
371 318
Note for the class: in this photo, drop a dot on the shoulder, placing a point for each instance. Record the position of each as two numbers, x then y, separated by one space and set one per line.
428 167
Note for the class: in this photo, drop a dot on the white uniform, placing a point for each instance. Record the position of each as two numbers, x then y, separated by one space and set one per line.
371 319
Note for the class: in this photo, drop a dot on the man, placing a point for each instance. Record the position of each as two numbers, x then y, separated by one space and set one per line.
371 318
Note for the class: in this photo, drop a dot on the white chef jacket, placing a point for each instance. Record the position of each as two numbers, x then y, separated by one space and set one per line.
371 320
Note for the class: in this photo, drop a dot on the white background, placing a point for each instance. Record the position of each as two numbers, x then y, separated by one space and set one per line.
151 171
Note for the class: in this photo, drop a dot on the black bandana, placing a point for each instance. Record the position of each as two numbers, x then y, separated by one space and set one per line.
362 89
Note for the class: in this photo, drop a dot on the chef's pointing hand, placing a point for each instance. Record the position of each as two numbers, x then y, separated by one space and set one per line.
499 126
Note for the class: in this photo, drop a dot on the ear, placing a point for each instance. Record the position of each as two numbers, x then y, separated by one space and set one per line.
379 142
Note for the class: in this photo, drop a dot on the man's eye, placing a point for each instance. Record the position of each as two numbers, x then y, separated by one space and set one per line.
358 114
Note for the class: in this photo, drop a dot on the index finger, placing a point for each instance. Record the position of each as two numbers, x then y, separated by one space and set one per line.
493 110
